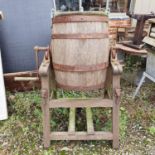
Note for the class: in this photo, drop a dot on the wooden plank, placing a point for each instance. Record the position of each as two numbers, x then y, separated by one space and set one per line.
71 128
81 136
120 23
90 125
129 50
26 78
46 125
77 103
13 86
45 93
149 40
152 34
115 111
101 13
79 18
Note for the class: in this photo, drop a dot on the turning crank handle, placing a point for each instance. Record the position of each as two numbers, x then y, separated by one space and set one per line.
26 79
42 49
38 49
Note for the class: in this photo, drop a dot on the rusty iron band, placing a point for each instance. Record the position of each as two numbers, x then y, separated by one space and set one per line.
81 88
81 36
79 18
80 68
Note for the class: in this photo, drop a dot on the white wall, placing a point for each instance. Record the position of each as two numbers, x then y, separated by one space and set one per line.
143 6
3 106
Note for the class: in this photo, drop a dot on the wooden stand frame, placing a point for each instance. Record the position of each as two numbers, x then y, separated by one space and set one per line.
47 82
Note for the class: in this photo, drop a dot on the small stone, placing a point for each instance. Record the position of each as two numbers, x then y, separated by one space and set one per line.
11 97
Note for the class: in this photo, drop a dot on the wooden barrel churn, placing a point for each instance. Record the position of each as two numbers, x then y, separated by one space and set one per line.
80 50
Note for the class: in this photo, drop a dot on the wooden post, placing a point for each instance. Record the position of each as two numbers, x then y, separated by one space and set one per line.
115 113
46 113
45 92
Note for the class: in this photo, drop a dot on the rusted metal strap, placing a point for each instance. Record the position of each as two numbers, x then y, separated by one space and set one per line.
79 18
81 36
81 88
80 68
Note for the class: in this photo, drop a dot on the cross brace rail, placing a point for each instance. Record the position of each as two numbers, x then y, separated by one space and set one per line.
80 103
81 136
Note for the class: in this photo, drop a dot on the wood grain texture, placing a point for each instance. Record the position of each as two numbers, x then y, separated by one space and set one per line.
81 36
120 23
79 18
80 52
71 126
115 111
90 125
81 136
131 51
45 93
80 103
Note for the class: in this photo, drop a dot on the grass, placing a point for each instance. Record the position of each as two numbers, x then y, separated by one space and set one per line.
21 134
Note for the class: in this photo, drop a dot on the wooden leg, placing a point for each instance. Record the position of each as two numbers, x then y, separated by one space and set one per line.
46 125
45 93
115 122
115 112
